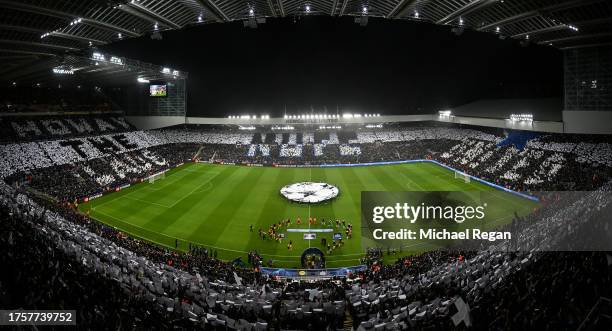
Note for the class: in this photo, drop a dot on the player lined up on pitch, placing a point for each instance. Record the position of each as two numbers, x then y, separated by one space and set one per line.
274 231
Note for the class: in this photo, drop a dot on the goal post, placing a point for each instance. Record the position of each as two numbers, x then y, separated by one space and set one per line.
157 177
462 176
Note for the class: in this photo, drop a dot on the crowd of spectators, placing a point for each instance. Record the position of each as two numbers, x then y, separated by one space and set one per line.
81 180
424 291
99 163
536 167
121 282
38 128
151 287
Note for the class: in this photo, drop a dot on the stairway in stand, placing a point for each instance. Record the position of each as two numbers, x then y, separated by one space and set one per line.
348 320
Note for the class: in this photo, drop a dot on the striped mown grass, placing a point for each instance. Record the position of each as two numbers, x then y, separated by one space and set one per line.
214 205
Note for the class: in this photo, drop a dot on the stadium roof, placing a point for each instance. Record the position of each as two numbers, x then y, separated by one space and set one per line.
34 29
104 69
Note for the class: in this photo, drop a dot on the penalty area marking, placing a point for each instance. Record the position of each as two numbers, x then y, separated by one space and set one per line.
148 202
134 190
206 188
194 190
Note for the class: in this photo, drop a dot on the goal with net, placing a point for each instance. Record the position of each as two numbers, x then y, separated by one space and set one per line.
157 177
462 176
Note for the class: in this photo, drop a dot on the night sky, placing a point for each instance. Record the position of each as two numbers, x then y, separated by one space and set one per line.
387 67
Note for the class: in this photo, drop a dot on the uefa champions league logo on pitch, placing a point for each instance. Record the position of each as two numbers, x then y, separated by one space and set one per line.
309 192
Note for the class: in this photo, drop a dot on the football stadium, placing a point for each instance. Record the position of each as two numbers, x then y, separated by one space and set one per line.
306 165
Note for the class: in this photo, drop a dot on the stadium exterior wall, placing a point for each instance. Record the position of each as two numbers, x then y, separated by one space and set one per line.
585 121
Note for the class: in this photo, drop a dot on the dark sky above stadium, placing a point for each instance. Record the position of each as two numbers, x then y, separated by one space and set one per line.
388 67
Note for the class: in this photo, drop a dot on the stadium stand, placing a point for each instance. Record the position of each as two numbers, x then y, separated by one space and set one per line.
61 147
98 163
195 289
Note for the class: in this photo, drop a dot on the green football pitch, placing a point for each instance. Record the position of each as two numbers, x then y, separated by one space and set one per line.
214 206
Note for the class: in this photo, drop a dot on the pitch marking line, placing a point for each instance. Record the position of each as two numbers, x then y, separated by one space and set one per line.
148 202
194 190
126 195
497 193
142 237
205 189
165 183
309 211
330 258
412 181
202 244
202 172
209 246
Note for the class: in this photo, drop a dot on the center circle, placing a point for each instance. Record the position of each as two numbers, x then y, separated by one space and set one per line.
309 192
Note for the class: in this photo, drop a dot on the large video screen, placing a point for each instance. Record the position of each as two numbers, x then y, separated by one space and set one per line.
158 90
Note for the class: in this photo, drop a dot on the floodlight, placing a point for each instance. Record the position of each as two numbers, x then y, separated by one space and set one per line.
521 117
116 60
63 71
98 56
